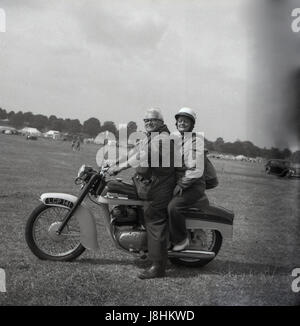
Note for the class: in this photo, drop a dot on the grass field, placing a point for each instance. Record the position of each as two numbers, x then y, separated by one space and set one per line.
254 269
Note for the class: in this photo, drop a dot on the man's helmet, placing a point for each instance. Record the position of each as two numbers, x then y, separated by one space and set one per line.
187 112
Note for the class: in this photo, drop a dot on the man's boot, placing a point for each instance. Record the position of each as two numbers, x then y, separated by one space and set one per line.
158 269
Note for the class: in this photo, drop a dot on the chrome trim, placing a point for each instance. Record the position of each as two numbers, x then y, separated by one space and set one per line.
117 201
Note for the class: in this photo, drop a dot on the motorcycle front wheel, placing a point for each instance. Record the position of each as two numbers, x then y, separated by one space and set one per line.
202 240
43 240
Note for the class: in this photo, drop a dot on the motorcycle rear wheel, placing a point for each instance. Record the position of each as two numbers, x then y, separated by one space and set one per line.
213 246
41 237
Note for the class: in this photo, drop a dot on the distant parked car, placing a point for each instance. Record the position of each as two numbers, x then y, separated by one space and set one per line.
31 137
283 168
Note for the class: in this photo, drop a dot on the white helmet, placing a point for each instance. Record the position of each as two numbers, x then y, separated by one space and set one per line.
187 112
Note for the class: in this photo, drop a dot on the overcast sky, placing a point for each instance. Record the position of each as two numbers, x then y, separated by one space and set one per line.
114 59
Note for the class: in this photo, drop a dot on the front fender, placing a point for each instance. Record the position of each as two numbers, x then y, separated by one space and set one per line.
85 218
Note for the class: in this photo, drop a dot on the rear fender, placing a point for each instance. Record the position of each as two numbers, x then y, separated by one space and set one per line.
85 218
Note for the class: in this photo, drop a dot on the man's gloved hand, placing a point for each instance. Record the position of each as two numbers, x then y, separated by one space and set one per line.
177 191
108 163
113 170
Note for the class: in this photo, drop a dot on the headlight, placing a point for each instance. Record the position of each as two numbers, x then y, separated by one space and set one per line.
80 171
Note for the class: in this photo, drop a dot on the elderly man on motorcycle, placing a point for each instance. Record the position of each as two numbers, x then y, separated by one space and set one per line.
160 192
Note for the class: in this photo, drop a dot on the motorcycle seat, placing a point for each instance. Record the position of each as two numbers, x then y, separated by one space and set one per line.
201 203
120 187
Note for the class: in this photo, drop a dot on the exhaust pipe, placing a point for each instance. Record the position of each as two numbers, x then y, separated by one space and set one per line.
192 254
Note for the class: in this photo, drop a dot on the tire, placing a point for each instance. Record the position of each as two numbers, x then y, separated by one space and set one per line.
268 170
283 174
41 247
193 262
289 174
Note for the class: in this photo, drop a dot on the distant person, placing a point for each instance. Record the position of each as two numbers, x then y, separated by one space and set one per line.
77 144
73 145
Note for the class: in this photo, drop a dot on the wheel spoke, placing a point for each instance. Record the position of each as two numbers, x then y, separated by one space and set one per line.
46 238
201 240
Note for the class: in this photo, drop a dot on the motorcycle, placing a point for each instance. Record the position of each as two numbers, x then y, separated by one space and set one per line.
63 227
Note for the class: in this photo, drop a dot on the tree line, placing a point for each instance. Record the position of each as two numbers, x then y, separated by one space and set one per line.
248 149
92 127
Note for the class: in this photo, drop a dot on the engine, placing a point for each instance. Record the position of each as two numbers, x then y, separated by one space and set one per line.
125 215
129 231
132 239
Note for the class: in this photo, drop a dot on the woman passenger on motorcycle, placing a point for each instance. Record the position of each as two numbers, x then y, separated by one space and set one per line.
190 182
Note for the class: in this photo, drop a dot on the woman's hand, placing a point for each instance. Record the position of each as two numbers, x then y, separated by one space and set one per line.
177 191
